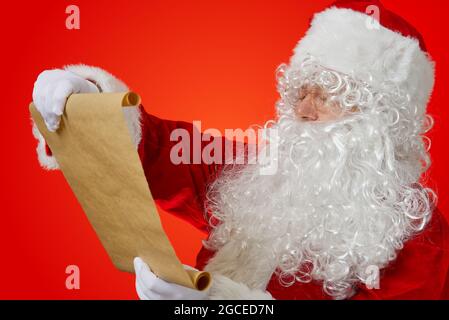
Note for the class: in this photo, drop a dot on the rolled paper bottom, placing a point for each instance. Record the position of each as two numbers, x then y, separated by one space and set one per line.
200 279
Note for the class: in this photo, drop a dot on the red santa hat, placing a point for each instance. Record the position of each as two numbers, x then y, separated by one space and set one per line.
345 38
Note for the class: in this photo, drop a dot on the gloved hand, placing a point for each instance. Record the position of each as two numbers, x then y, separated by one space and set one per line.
150 287
51 90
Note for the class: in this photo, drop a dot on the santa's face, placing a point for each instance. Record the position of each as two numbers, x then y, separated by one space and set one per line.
314 105
346 194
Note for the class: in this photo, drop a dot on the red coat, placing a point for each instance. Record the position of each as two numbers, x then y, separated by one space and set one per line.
421 270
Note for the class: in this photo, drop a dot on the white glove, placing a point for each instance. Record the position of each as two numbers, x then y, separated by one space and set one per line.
51 90
150 287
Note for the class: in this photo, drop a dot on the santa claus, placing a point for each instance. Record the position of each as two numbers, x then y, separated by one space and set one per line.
345 214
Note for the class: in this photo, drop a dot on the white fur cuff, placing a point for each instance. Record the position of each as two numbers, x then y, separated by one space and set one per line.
47 162
224 288
109 83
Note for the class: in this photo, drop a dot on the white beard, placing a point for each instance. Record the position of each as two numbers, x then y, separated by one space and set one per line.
345 197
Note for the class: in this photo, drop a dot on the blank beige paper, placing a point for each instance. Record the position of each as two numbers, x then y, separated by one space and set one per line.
100 162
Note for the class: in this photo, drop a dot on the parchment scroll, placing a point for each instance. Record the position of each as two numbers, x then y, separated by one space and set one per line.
99 161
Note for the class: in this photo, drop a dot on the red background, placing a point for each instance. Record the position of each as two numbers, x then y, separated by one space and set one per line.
212 61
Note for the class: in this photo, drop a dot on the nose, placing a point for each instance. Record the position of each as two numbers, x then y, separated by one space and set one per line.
306 109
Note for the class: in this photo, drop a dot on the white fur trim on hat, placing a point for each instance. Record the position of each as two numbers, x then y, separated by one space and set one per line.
342 40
